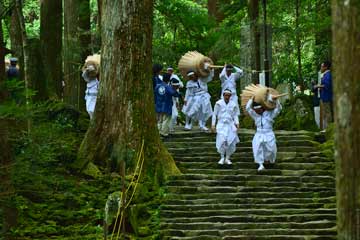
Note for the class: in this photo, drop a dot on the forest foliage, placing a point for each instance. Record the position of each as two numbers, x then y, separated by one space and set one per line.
52 199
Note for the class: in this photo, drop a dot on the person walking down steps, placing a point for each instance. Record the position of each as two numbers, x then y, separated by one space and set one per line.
264 142
226 112
197 105
164 94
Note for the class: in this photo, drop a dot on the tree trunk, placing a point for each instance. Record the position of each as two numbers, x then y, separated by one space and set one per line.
85 40
6 187
298 43
346 56
35 73
214 11
2 52
16 39
72 55
124 114
255 38
51 43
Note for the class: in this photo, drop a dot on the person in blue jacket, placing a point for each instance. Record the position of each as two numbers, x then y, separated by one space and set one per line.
164 94
326 94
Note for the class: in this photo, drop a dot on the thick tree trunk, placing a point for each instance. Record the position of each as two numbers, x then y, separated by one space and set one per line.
124 114
346 56
298 43
77 40
6 187
255 37
35 73
51 43
16 39
73 94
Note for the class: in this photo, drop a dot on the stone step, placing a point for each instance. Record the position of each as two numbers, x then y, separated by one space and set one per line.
324 224
242 212
232 195
251 165
228 171
215 206
237 176
242 189
294 218
326 201
179 183
279 158
255 237
179 132
243 137
244 143
248 232
242 154
199 149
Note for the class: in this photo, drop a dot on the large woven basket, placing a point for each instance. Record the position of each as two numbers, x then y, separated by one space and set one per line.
194 61
94 60
260 94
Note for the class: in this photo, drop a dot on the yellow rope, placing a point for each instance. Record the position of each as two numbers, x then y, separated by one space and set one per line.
140 158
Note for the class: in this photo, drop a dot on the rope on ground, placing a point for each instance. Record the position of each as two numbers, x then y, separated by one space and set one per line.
137 172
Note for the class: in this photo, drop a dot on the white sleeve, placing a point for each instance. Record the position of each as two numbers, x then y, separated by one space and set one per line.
277 109
251 111
187 94
208 78
215 113
222 75
239 73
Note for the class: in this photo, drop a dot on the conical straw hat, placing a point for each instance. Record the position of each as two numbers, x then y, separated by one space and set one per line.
194 61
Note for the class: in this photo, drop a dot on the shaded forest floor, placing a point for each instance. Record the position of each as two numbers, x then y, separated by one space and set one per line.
54 202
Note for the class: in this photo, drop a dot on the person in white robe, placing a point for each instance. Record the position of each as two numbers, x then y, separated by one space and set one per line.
226 112
264 142
92 88
175 113
197 105
228 80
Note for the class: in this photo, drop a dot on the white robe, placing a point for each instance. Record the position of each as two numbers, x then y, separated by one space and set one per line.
92 88
174 113
264 142
91 95
198 105
227 117
229 82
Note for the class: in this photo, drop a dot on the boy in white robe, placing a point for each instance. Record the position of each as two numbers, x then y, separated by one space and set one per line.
227 114
197 105
264 142
92 86
228 80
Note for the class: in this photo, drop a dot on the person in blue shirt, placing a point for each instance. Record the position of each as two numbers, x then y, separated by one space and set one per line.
326 94
13 71
157 68
164 94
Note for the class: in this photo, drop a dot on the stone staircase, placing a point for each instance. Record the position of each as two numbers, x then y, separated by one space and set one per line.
293 199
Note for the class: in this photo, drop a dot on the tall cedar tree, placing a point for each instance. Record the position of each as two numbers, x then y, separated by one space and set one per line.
124 114
51 45
346 59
